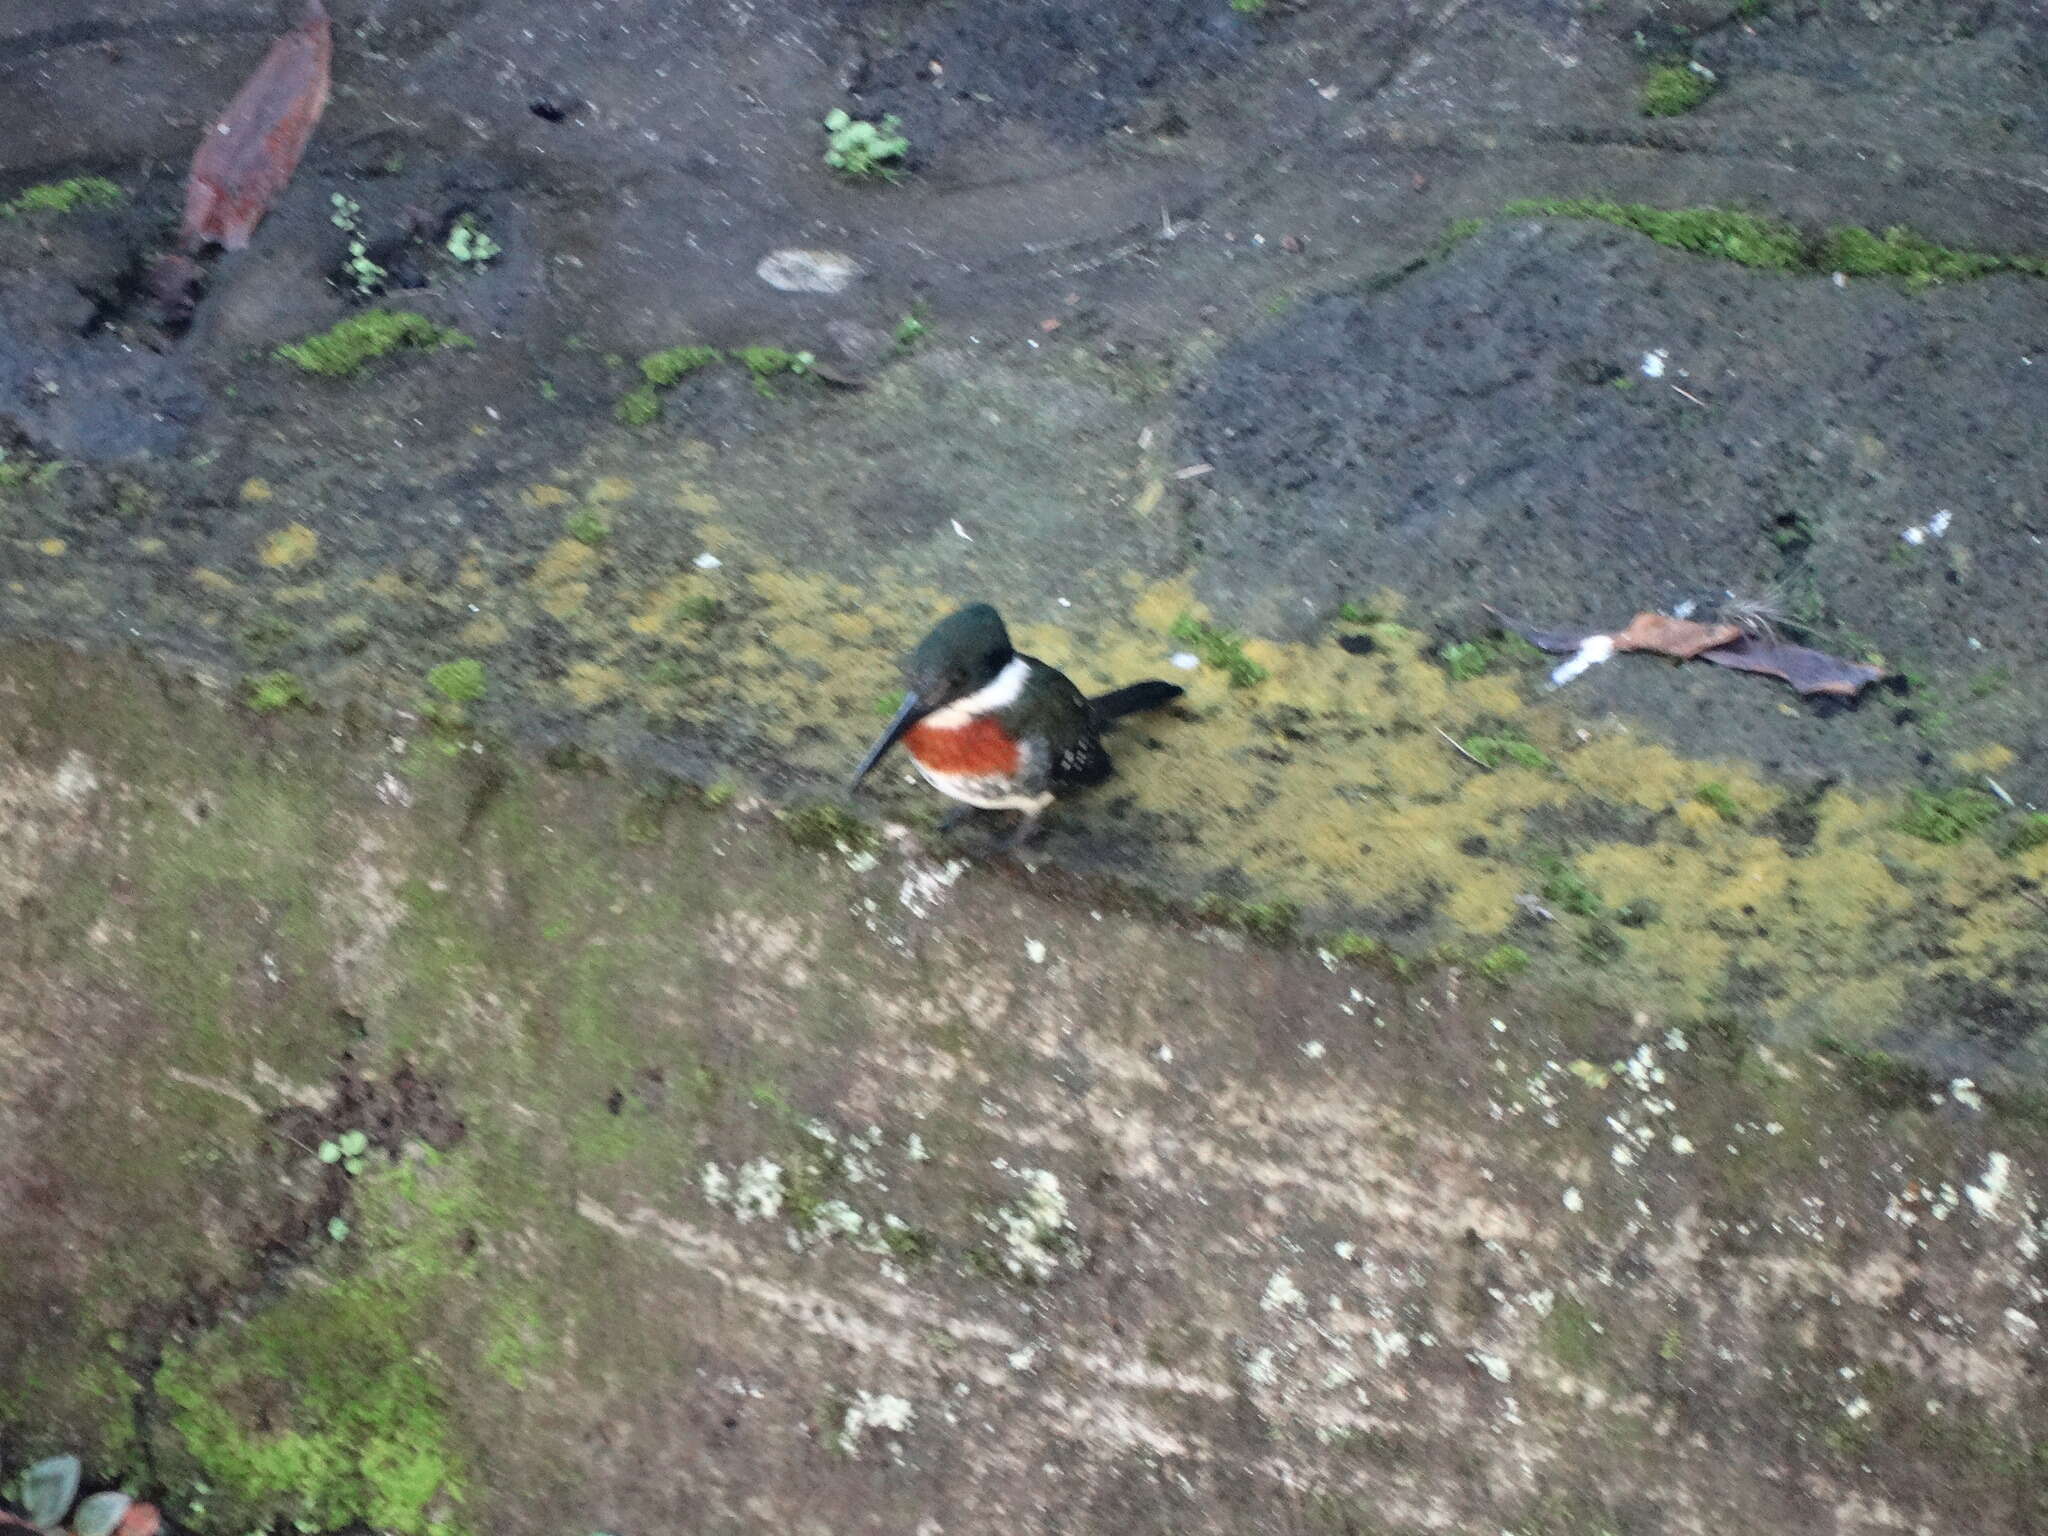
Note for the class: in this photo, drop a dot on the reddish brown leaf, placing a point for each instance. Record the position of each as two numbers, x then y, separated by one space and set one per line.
1806 670
141 1520
1683 638
248 156
11 1523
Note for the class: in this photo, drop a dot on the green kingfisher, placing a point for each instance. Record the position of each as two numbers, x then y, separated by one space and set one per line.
998 730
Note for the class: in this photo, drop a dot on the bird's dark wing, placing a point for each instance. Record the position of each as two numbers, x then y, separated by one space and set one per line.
1055 712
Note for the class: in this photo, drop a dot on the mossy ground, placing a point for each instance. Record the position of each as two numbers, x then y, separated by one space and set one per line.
604 1021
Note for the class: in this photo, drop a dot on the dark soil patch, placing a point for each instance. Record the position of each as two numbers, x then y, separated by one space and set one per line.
1508 426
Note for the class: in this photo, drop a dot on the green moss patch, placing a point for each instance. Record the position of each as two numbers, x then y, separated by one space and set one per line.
64 197
342 351
1222 649
1948 817
316 1410
1672 90
1772 244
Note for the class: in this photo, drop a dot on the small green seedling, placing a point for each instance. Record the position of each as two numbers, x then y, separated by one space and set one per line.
367 276
470 245
862 150
337 1229
346 1149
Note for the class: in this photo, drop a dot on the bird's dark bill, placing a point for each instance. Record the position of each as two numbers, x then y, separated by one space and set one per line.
911 712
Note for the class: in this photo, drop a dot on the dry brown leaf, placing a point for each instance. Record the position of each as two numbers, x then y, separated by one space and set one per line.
1683 638
1809 671
248 156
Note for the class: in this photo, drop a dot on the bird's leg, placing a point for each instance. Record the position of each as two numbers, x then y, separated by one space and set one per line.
1028 829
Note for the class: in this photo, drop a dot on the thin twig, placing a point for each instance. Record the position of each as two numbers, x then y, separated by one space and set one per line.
1447 736
1695 399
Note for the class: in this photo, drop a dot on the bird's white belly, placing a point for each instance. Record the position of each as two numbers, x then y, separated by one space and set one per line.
984 791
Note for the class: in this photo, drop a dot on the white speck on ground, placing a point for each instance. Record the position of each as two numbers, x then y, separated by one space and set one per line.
874 1411
1573 1200
1034 951
1997 1174
1314 1050
1493 1365
1187 661
707 561
1281 1291
1653 363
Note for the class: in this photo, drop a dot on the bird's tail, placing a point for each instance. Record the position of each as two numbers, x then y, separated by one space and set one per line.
1131 700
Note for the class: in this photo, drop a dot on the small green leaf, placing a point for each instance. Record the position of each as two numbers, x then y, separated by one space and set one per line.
354 1143
49 1489
98 1515
836 119
352 1166
329 1152
337 1228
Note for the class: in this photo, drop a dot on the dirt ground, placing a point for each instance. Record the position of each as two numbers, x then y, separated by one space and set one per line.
1179 313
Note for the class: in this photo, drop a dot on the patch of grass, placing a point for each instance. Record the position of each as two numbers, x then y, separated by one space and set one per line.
588 526
1248 7
1360 613
2031 833
1492 751
1565 887
1672 90
270 692
825 828
862 150
910 330
1222 649
1503 962
342 351
1949 816
459 682
699 608
1715 796
64 197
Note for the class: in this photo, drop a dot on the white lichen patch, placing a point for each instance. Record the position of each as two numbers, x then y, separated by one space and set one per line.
758 1191
1984 1196
1493 1365
1034 1227
1281 1292
872 1412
